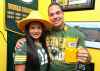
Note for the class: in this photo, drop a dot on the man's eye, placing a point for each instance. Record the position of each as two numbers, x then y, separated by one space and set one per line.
51 14
58 12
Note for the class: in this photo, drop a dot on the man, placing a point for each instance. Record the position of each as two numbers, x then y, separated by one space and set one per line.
62 37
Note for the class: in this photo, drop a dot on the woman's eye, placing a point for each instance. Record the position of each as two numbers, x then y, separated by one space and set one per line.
36 27
32 27
39 27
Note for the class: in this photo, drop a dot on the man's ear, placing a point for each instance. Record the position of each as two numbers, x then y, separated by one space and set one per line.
63 13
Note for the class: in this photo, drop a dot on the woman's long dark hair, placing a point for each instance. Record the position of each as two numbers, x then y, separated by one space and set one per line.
32 63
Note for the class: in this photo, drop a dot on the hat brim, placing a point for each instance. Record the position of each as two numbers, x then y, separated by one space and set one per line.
21 24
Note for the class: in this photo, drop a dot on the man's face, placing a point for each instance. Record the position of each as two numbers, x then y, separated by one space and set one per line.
55 15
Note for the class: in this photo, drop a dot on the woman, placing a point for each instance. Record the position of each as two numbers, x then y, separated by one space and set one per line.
32 55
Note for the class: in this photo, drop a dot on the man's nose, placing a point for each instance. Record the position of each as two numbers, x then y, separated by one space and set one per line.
55 16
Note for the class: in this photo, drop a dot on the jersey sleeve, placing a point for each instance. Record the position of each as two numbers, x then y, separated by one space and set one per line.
20 52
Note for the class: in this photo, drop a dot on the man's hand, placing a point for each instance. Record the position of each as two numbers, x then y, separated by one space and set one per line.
83 55
20 42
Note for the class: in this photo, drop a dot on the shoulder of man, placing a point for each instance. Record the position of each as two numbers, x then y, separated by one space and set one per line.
76 31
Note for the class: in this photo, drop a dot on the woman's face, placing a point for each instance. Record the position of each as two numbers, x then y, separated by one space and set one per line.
35 30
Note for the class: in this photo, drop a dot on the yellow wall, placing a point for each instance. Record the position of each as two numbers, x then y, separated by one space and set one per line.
3 46
95 58
86 15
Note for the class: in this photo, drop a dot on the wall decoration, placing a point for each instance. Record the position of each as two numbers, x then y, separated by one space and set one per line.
16 10
91 31
74 5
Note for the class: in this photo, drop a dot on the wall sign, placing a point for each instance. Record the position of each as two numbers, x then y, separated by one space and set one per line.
74 5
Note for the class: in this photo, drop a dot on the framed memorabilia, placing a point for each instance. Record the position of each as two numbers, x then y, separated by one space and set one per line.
17 10
72 5
91 30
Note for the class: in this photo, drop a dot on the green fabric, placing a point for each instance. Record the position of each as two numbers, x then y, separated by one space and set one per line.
55 43
20 56
63 67
72 32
